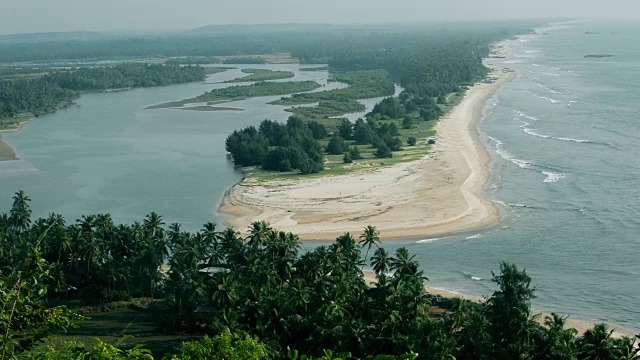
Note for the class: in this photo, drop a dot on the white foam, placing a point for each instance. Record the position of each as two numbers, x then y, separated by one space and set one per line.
525 115
426 241
553 101
523 164
476 236
548 89
551 74
533 132
536 65
552 177
476 278
573 140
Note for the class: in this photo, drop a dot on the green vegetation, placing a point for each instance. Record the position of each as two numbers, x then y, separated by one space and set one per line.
326 109
262 75
259 297
125 76
317 68
245 60
35 96
262 88
192 60
59 88
363 85
278 147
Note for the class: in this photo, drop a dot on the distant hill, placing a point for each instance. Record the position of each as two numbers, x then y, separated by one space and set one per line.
264 28
50 37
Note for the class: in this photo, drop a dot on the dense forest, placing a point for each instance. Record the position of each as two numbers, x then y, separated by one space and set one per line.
58 88
260 297
311 44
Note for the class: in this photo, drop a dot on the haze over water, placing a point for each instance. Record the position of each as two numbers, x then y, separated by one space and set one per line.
563 136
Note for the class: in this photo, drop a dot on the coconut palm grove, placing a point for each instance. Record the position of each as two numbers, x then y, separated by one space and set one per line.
258 296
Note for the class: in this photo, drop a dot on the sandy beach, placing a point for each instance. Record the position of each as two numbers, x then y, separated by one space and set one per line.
441 193
6 152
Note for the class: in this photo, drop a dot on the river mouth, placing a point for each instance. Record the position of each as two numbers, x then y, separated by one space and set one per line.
107 154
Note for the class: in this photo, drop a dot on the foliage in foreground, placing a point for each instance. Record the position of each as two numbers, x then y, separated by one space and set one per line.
274 299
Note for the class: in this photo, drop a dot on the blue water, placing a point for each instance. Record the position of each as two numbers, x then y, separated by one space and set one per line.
566 173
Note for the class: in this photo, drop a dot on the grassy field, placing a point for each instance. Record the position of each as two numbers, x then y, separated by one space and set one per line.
262 75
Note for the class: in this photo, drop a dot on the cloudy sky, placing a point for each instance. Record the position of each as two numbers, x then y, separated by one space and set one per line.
19 16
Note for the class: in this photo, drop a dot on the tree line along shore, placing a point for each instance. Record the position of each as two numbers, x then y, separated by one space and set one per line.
254 297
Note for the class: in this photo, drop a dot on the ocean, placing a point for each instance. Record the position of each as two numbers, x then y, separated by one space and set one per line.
566 175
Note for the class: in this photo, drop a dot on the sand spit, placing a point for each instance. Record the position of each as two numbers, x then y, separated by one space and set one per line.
440 194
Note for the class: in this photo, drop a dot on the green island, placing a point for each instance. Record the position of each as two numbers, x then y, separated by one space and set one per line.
326 109
71 290
262 75
263 88
363 84
58 88
241 92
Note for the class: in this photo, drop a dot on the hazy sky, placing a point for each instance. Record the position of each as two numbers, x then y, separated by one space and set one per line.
18 16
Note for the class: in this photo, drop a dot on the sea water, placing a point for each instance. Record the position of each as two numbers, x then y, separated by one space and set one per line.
566 174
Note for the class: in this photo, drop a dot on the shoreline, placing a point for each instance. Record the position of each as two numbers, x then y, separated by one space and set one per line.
6 152
581 325
442 193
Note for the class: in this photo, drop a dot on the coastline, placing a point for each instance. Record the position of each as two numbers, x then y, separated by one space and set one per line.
6 152
580 325
441 193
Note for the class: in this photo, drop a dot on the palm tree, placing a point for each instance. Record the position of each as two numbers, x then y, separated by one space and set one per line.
259 233
380 262
369 238
20 214
597 344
